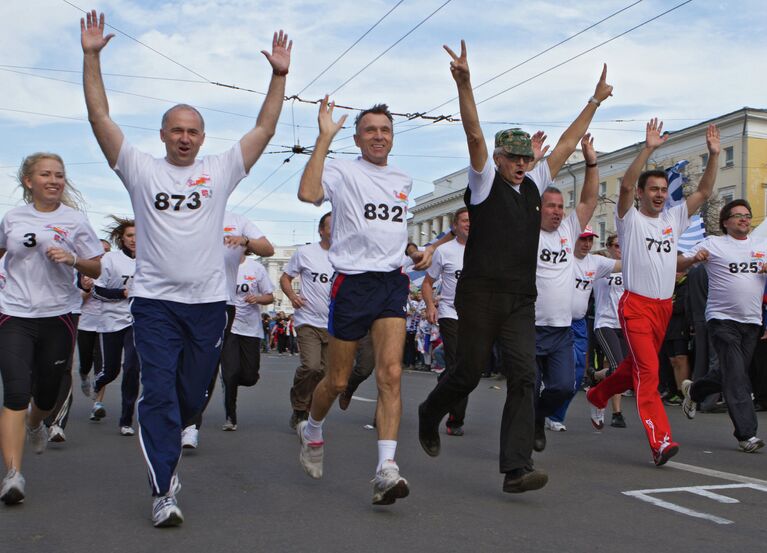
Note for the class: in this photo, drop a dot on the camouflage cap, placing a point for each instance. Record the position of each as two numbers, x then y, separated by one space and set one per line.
515 142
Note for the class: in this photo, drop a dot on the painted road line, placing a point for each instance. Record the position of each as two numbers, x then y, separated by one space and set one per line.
716 473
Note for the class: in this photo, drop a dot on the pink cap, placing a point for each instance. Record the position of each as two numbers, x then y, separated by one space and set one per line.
587 233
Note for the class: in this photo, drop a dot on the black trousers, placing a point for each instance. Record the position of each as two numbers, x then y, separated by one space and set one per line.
113 345
240 365
484 316
734 343
448 328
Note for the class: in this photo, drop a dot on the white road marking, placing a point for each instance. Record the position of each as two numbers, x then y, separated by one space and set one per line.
716 473
358 398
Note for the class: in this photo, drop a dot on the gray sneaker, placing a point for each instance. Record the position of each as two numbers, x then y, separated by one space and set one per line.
388 485
751 445
311 453
12 490
688 405
56 434
165 511
38 437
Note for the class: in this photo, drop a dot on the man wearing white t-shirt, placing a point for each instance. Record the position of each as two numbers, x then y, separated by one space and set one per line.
554 280
495 296
179 293
648 238
312 265
735 263
446 266
369 293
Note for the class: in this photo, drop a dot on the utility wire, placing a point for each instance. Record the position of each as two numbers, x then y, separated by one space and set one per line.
79 72
263 182
403 37
349 48
273 190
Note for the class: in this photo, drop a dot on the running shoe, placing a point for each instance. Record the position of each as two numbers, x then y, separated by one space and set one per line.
524 479
190 438
539 440
688 405
98 412
617 420
38 437
311 453
12 489
229 426
554 426
56 434
666 451
86 385
428 434
751 445
454 430
388 485
165 511
597 417
673 399
344 399
297 417
127 431
628 393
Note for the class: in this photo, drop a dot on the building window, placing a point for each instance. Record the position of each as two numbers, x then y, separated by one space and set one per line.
729 157
727 194
570 198
704 160
602 234
603 188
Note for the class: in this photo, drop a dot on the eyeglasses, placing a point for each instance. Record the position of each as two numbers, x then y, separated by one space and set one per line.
615 245
740 216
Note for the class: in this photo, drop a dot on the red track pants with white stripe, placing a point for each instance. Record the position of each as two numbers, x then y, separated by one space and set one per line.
644 323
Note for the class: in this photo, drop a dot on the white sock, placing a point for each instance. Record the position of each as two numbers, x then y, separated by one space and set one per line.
386 451
313 430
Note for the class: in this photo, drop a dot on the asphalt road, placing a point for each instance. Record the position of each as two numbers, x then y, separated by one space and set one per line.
245 491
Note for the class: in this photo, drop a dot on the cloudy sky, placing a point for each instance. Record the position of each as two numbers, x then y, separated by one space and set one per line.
701 60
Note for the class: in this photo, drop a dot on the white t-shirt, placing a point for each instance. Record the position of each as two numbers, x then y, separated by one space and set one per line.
481 184
369 227
607 294
251 279
117 271
179 214
311 263
90 314
735 286
236 225
649 248
2 274
554 273
35 285
586 272
447 264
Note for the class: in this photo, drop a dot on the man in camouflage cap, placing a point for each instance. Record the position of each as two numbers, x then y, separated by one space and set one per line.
495 295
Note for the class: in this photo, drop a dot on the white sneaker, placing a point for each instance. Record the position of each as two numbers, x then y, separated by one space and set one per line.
190 437
165 511
688 405
38 437
554 426
12 489
86 386
311 453
127 431
229 426
388 485
98 412
56 434
751 445
597 417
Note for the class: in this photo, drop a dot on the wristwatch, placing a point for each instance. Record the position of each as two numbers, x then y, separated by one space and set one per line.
593 100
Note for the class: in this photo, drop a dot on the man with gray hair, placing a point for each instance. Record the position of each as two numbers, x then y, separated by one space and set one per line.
495 296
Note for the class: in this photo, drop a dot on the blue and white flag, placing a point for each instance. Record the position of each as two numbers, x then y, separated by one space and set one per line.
676 181
695 233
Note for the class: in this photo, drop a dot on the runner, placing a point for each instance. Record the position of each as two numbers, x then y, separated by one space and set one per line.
312 265
43 242
736 268
495 296
554 277
241 356
648 238
116 324
369 235
446 266
179 289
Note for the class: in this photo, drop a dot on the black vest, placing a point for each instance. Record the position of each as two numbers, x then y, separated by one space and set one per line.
501 251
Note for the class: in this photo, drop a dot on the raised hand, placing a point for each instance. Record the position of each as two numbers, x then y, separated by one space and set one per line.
712 140
654 136
92 33
280 56
603 90
459 67
539 150
328 127
587 147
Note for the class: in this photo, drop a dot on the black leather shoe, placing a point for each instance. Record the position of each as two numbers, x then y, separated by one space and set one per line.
428 433
524 479
539 444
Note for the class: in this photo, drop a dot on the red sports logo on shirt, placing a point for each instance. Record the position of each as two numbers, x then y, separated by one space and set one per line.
250 278
401 196
230 229
757 255
668 231
60 234
199 181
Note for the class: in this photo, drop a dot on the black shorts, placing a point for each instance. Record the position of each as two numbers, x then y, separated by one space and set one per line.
356 301
676 347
